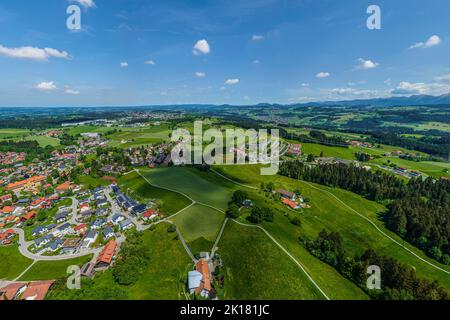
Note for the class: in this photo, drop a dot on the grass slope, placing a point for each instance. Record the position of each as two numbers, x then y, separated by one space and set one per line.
200 186
52 270
200 223
256 269
328 213
12 262
169 201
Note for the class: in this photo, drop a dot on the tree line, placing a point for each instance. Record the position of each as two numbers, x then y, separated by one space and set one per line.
418 211
398 281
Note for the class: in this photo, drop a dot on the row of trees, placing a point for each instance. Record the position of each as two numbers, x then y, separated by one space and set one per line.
398 281
418 210
32 149
134 258
257 214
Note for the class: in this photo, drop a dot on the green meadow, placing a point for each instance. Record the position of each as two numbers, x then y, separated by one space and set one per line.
52 270
199 223
328 213
136 186
12 262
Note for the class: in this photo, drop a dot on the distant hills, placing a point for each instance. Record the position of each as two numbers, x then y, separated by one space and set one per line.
389 102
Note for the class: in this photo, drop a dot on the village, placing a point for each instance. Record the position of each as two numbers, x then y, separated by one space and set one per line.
53 218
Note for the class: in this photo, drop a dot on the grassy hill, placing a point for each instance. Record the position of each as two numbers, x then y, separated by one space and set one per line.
169 201
13 263
200 186
199 223
255 268
330 214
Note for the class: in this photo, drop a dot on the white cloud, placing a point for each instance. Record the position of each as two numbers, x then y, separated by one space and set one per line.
33 53
256 61
431 42
150 62
200 74
444 78
124 64
305 85
408 88
231 82
354 92
85 3
257 37
46 86
366 64
201 47
322 75
72 91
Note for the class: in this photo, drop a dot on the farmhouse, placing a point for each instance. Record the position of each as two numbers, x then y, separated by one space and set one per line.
37 290
290 203
12 291
286 194
295 149
199 280
105 258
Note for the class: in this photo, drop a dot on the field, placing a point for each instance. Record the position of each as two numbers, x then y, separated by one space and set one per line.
256 269
431 168
200 186
169 201
12 262
136 137
332 215
328 277
92 182
52 270
162 279
44 140
199 223
13 133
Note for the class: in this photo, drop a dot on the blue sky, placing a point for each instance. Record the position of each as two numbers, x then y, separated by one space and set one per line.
136 52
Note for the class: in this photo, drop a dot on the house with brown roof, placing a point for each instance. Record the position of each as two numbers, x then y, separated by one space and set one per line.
65 187
287 194
105 258
199 280
37 290
12 291
27 184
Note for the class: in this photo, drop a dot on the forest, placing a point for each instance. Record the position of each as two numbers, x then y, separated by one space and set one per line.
418 211
398 281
